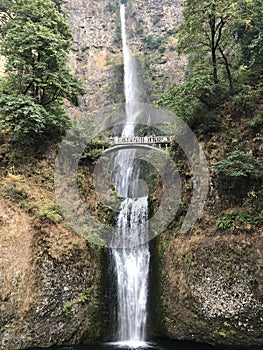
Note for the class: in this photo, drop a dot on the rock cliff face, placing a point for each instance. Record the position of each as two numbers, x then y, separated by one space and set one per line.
50 278
212 287
96 52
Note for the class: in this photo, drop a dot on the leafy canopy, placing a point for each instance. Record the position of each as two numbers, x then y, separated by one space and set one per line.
223 40
36 40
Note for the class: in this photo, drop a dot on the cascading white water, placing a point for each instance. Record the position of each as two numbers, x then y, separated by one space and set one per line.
132 260
131 89
132 266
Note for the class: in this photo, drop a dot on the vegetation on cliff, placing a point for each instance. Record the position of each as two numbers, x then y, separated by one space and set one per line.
50 276
224 44
221 99
35 41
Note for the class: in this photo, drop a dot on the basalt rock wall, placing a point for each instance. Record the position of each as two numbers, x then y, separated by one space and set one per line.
212 289
96 52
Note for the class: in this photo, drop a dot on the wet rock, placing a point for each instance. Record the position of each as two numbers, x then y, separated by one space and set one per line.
213 289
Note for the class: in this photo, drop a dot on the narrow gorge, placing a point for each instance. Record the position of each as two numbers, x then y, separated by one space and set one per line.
58 288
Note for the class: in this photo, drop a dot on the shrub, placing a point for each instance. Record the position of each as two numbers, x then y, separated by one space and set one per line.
197 95
67 307
50 213
21 116
154 42
256 122
24 120
226 223
83 298
239 220
237 164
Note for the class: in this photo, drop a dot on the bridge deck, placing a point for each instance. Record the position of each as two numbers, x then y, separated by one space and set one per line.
147 140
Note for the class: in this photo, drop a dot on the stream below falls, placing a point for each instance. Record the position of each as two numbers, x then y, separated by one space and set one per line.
160 344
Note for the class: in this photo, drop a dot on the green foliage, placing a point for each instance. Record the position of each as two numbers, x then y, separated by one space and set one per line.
59 3
5 327
92 298
36 40
251 39
223 333
226 223
21 116
226 324
239 220
50 213
154 42
186 99
67 307
256 122
117 36
205 33
246 100
224 42
26 121
83 298
223 34
226 332
237 164
77 140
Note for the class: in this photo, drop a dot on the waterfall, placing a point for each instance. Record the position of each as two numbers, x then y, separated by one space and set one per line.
131 89
132 259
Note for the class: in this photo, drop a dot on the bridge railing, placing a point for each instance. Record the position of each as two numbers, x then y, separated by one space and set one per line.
139 139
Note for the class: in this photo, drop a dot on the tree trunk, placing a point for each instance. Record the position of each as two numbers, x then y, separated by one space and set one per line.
212 23
228 71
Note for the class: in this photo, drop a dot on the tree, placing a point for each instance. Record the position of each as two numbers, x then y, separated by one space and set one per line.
185 99
36 41
251 39
223 40
207 32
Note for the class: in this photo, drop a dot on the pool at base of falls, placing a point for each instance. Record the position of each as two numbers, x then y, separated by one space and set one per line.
160 344
129 344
